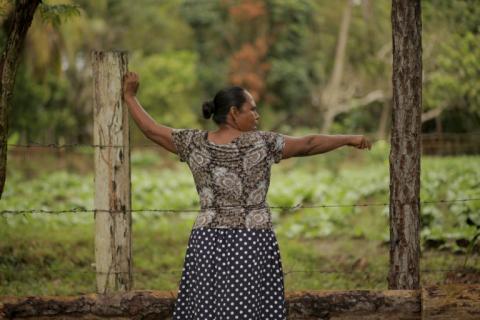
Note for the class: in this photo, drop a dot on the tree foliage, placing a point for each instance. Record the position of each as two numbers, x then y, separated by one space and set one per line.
453 69
283 51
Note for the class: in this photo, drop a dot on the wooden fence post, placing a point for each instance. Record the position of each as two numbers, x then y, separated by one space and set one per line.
113 254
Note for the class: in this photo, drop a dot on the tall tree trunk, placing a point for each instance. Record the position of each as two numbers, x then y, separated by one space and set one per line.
367 12
383 125
405 149
440 141
329 101
438 124
22 19
331 94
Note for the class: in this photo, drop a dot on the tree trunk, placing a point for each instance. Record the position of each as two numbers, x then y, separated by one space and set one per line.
334 100
370 32
22 19
452 301
383 126
328 118
330 97
433 113
405 149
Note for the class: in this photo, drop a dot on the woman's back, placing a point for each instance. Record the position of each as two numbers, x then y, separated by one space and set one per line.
231 179
232 267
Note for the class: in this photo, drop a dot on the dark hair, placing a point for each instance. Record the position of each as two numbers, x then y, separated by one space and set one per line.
221 103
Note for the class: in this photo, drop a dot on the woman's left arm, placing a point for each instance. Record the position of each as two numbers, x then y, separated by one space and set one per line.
158 133
313 144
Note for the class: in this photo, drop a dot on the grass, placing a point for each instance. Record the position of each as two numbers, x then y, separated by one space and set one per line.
44 259
43 254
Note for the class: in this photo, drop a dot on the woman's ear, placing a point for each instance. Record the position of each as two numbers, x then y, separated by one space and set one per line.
234 111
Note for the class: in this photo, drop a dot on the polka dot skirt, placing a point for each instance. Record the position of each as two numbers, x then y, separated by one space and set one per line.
231 274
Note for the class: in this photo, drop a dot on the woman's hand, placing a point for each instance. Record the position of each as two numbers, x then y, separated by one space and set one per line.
130 85
360 142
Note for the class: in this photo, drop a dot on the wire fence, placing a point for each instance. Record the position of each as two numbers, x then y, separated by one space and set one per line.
288 208
432 145
450 142
285 208
460 269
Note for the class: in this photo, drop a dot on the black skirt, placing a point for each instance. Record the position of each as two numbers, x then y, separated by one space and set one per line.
231 274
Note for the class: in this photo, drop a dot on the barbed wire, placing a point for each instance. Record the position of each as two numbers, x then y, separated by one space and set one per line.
298 206
289 208
460 269
71 145
376 272
54 145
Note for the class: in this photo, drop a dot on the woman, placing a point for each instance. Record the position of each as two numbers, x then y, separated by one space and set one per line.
232 266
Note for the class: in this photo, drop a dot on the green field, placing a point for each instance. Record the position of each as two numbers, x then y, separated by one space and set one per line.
53 254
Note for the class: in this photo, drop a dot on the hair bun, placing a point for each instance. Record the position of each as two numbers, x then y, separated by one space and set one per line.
207 109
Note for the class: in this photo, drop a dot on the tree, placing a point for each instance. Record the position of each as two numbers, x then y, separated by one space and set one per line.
331 94
17 23
260 45
336 98
405 146
451 59
21 21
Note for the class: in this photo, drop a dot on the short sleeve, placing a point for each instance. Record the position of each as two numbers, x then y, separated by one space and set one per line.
275 144
182 140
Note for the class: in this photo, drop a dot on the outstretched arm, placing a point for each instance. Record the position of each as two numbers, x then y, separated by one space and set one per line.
158 133
320 143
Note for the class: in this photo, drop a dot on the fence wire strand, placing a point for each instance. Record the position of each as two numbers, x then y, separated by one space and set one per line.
71 145
459 270
291 208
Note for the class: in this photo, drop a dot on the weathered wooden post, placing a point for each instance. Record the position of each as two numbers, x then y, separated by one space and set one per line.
405 150
113 254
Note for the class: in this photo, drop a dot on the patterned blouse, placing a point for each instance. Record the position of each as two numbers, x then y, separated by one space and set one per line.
231 179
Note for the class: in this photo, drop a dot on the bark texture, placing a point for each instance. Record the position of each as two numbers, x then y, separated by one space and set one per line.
364 304
457 301
405 149
113 240
22 19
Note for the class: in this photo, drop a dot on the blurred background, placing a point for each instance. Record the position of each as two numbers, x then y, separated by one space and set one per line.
313 66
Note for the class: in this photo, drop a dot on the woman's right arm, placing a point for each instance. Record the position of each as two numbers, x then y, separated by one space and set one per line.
320 143
154 131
